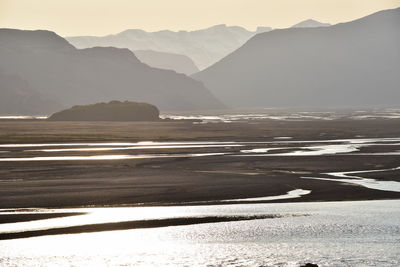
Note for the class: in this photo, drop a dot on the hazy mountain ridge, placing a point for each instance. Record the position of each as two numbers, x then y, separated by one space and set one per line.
169 61
63 74
310 23
204 47
17 97
344 65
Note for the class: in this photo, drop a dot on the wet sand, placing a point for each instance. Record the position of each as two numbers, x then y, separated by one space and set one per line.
102 227
166 181
12 218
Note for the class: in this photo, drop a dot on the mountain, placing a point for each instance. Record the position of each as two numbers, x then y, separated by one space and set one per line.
310 23
17 97
48 67
262 29
112 111
204 47
169 61
344 65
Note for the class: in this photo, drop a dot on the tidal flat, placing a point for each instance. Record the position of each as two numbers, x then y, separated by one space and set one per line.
75 164
257 192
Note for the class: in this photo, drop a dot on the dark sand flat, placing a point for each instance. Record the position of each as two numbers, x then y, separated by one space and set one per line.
12 218
165 181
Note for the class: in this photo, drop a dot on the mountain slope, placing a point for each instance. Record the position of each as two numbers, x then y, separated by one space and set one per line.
63 74
204 47
16 97
345 65
168 61
310 23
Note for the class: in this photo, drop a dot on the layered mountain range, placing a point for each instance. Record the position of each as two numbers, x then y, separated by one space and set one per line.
353 64
204 47
41 72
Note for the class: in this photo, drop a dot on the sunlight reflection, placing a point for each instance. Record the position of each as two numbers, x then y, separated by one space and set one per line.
111 157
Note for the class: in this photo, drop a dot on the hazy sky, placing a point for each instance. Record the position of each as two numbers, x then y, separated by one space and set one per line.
101 17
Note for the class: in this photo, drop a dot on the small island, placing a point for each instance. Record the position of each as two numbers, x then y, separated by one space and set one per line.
112 111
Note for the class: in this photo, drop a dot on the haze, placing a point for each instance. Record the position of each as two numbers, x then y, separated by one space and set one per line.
99 17
199 133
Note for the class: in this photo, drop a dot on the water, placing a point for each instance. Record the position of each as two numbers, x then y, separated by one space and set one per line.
110 157
142 143
291 194
313 148
265 114
286 115
310 148
363 233
137 147
392 186
21 117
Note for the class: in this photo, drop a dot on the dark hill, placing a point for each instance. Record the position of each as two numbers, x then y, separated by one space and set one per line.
112 111
57 71
344 65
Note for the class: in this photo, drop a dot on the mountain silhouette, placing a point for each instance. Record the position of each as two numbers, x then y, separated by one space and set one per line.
310 23
344 65
168 61
55 71
204 47
17 97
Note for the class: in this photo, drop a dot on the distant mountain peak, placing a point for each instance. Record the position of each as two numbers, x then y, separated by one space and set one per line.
261 29
310 23
218 26
204 46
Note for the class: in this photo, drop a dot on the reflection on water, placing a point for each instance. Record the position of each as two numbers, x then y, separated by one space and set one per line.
111 157
120 214
291 194
135 147
143 143
276 148
266 114
19 117
323 150
392 186
363 233
345 146
283 115
313 148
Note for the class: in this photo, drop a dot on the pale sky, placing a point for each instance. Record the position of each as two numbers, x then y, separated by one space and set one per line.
102 17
